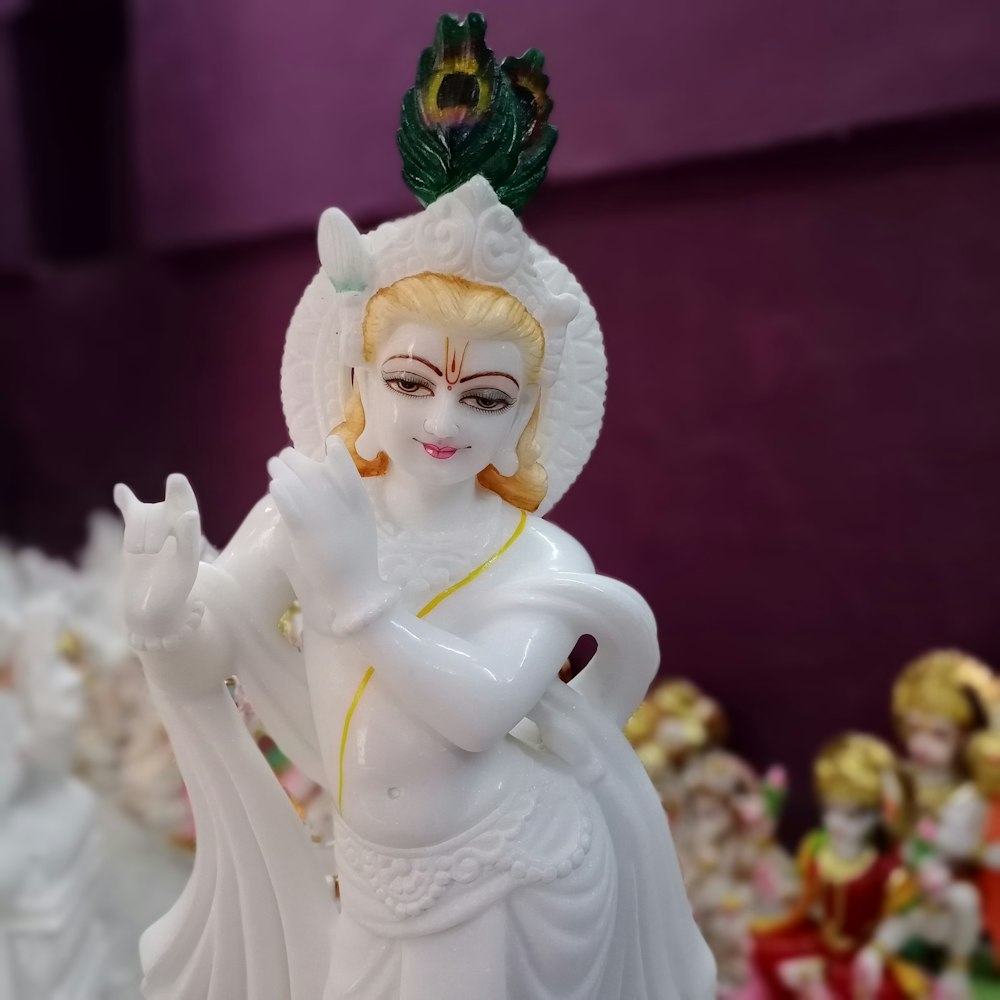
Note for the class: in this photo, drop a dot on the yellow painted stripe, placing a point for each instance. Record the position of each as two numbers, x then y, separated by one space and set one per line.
431 605
343 739
422 613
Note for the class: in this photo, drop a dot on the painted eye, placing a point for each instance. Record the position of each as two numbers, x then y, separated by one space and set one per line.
488 400
410 388
407 384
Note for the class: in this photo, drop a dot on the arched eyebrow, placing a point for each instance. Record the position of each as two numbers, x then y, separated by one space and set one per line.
416 357
498 374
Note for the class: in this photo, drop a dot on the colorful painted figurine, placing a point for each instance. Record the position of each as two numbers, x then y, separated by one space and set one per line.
939 701
968 833
930 930
734 869
846 868
671 728
495 835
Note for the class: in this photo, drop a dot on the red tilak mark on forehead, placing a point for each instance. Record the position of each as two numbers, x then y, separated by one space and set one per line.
452 363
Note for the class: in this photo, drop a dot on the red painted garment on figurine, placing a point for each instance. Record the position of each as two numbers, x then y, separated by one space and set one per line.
988 880
850 906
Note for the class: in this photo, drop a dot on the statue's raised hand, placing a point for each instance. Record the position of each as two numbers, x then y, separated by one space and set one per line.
162 547
331 527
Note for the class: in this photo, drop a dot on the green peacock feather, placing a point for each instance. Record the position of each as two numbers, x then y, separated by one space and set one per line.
537 136
466 115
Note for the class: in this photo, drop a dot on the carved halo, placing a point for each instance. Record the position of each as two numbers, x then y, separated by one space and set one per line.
316 367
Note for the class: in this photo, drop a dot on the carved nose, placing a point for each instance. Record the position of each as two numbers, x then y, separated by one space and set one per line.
442 422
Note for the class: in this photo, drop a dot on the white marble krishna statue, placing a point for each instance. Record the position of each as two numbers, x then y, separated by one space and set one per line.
495 835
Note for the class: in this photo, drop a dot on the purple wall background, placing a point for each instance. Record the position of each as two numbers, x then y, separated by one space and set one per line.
248 124
14 238
799 467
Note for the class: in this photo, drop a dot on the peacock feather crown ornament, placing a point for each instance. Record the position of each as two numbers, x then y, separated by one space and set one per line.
468 115
475 141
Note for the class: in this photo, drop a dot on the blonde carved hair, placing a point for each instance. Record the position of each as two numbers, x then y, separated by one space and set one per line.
702 717
861 770
983 755
946 683
480 312
853 768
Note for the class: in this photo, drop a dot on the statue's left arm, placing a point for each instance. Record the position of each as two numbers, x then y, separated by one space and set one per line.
472 690
472 687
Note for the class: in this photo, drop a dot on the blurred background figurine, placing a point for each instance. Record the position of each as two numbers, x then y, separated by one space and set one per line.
930 931
53 940
674 724
939 702
968 834
122 749
846 868
734 869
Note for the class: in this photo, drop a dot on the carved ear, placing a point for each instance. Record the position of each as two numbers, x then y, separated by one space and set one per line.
342 252
367 445
506 462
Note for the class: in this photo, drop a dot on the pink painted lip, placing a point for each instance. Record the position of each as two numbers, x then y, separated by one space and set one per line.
438 451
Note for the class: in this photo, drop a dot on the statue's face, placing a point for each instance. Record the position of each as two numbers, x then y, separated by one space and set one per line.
848 825
932 740
712 817
442 407
749 805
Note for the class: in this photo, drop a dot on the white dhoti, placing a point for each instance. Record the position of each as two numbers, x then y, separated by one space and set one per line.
570 890
524 902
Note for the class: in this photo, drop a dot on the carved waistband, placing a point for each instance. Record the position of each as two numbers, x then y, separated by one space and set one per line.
539 834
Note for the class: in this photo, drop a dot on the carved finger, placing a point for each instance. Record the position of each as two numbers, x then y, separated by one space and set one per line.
134 512
159 526
339 458
283 491
125 499
187 531
289 512
305 468
179 495
340 468
316 498
281 472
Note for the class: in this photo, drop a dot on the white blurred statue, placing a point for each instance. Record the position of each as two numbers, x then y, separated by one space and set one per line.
53 942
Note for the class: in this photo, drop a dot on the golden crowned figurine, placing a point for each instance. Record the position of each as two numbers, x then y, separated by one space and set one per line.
847 868
671 728
939 702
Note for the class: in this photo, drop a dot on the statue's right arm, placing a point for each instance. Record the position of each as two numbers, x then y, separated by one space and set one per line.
185 616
